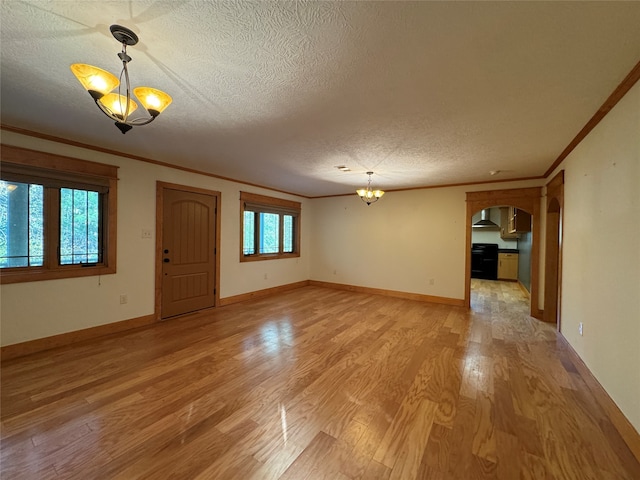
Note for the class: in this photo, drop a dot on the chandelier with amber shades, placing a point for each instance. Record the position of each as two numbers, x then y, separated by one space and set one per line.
368 195
118 107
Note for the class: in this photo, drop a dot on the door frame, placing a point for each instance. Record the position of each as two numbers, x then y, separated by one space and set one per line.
553 249
527 199
160 188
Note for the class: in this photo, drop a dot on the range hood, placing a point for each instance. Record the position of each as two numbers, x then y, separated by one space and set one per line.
484 221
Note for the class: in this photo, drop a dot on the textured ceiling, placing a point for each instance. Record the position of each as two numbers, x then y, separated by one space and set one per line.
280 93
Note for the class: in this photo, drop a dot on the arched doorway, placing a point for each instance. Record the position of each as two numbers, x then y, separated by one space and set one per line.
553 250
527 199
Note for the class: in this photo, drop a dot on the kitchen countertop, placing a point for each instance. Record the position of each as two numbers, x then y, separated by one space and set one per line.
507 250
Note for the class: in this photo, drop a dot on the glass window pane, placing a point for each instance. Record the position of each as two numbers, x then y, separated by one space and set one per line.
36 225
248 237
66 225
269 232
93 227
79 226
21 224
287 234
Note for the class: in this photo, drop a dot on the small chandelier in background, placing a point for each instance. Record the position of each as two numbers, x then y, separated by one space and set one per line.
368 195
100 83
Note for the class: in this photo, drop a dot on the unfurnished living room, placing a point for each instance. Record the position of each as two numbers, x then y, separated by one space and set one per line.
319 240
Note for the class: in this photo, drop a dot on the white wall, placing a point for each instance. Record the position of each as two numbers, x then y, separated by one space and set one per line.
40 309
479 235
399 243
601 253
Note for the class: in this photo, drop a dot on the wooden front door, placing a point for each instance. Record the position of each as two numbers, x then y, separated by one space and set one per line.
188 252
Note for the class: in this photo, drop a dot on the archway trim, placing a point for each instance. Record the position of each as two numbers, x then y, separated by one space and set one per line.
527 199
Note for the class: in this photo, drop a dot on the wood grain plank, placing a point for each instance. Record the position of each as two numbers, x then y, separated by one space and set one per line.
317 383
310 457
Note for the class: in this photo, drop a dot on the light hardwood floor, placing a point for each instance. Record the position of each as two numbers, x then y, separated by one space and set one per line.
315 383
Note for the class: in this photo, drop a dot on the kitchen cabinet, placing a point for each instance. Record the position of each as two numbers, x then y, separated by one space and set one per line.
505 234
519 220
507 266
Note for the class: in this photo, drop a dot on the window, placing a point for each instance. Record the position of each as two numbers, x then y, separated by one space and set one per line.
57 216
270 227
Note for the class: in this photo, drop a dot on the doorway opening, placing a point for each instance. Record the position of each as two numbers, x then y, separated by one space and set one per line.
501 244
526 200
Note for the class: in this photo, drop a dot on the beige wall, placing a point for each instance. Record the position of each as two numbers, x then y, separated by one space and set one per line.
40 309
400 243
601 253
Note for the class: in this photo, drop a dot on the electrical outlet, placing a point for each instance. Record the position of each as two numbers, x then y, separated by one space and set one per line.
432 281
123 299
146 233
265 276
580 328
335 272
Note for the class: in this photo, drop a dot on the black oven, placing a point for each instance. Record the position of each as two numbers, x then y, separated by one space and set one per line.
484 261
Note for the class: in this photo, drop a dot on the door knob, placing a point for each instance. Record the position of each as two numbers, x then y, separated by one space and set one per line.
166 260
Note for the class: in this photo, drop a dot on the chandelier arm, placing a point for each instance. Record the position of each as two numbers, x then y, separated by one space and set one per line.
115 117
107 111
140 121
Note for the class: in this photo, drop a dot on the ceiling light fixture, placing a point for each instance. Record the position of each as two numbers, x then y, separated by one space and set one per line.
368 195
100 83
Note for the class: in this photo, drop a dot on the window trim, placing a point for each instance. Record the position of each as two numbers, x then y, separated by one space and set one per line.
264 204
57 170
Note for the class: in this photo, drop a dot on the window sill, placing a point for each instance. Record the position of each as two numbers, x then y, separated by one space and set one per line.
19 275
274 256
